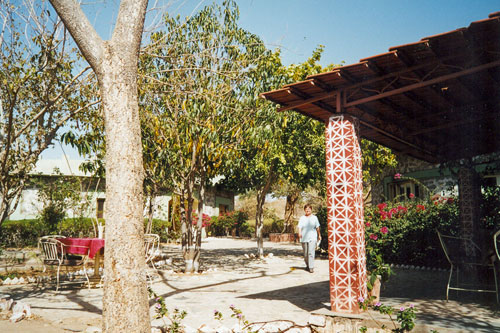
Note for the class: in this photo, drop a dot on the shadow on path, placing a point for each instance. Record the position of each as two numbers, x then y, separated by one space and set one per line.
309 297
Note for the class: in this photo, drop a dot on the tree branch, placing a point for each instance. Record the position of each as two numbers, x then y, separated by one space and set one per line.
125 35
82 31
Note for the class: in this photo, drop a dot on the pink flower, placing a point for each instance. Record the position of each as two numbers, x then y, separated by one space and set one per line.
361 299
384 230
378 304
368 224
373 236
381 206
397 176
412 195
420 207
402 308
402 209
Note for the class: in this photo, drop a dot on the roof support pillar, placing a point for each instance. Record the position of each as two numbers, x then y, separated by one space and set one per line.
346 241
469 191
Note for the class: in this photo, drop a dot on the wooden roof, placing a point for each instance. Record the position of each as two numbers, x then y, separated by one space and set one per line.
437 99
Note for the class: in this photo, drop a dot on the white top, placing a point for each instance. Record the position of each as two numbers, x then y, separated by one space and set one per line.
307 226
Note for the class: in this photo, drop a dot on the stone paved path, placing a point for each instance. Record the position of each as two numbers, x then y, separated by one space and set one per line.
270 289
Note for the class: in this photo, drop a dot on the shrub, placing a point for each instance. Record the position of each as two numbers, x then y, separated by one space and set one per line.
163 228
490 208
222 225
409 230
404 232
25 233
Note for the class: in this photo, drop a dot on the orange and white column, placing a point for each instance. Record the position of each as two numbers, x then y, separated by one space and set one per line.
346 236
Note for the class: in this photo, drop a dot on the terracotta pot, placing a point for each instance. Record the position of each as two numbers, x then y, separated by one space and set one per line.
376 289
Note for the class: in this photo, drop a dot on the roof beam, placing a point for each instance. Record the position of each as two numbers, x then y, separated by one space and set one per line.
455 123
403 57
396 138
423 83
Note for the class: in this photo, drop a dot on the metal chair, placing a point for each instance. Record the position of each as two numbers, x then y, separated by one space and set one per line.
496 262
151 247
55 254
454 250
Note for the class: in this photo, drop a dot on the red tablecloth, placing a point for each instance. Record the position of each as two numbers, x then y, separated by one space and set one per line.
94 245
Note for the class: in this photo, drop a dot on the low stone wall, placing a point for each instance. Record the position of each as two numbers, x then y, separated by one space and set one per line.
282 238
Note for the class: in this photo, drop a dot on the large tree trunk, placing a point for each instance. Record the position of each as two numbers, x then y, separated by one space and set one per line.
125 288
125 300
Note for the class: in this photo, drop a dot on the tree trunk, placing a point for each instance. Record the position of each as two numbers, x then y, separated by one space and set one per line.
199 226
259 224
291 201
259 215
125 290
125 299
189 252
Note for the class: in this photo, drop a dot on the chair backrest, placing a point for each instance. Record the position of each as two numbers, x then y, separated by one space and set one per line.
51 248
52 236
151 245
496 241
454 247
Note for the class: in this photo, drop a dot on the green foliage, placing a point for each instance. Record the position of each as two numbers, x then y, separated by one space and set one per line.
322 216
25 233
405 317
161 312
490 208
21 233
37 94
404 232
194 94
376 160
163 228
223 225
57 194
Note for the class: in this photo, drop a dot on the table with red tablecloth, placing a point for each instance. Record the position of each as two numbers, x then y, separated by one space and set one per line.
88 246
74 245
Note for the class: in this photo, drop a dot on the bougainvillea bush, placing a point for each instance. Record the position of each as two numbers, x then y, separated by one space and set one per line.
404 232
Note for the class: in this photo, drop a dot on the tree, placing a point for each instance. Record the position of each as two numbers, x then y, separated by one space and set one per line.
38 93
257 166
376 160
125 301
284 149
194 97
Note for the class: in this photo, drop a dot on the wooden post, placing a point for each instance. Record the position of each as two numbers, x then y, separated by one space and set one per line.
346 241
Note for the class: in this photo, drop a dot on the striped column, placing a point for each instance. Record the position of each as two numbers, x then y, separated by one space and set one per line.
345 214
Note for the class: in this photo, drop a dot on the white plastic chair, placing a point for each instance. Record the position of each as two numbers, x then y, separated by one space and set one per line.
55 254
454 250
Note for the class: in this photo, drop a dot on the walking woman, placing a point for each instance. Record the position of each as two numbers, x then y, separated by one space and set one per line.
309 235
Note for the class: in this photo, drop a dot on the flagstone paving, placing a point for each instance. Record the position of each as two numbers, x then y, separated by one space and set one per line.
277 287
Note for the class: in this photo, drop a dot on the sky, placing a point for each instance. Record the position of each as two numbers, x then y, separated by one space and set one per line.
349 29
